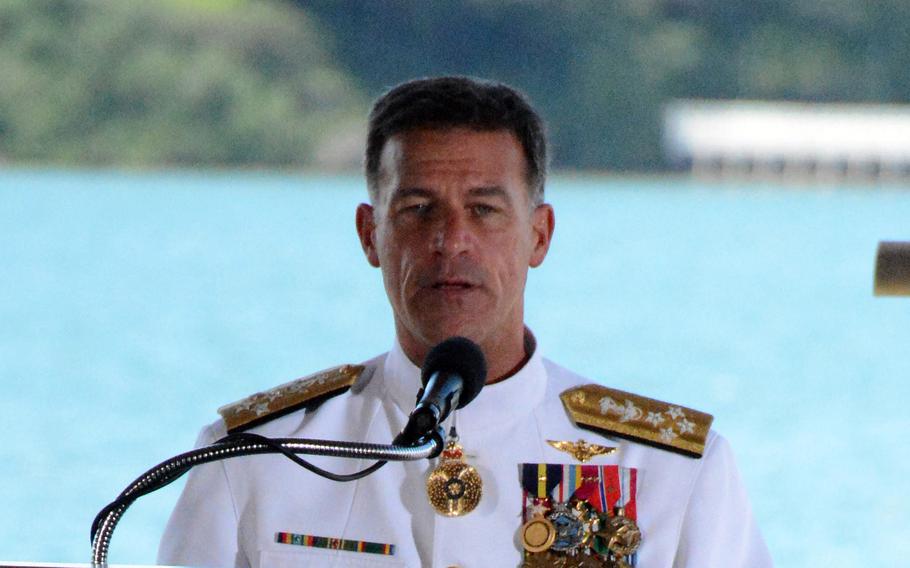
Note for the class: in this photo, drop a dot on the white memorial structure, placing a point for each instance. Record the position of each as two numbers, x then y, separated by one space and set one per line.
789 141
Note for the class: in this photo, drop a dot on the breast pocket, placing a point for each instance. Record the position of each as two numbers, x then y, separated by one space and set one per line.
320 558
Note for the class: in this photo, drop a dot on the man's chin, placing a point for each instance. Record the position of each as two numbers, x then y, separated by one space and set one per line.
439 333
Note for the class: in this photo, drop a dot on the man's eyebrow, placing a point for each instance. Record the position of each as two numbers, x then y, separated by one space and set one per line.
490 191
406 192
482 191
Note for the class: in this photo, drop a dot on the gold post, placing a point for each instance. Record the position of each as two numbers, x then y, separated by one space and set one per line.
892 269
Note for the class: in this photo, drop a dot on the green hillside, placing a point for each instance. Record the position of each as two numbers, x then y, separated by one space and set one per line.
270 83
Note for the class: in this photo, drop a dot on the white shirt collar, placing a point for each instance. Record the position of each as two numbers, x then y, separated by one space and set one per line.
496 406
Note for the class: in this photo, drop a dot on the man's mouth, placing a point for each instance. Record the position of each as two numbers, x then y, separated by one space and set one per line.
452 284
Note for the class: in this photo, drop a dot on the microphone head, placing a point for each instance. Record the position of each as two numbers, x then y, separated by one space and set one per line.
462 357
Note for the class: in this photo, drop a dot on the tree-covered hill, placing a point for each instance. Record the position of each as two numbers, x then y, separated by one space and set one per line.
177 82
288 82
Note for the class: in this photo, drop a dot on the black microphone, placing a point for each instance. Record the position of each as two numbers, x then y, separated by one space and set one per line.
453 374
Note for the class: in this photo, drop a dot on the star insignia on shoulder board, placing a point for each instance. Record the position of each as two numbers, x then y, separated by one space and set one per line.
581 450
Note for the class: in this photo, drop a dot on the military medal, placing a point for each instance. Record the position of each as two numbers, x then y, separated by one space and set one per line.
585 560
454 488
620 533
544 560
618 537
579 516
573 526
538 534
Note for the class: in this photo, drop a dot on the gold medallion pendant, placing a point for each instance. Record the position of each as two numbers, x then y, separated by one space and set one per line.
454 488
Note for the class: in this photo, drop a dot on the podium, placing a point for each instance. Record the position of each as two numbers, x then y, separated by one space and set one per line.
7 564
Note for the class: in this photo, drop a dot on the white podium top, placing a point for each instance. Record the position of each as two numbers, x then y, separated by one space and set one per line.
9 564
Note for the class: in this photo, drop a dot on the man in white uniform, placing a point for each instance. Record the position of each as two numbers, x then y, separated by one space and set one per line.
456 169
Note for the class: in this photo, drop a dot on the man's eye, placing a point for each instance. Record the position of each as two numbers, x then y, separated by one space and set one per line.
416 208
482 209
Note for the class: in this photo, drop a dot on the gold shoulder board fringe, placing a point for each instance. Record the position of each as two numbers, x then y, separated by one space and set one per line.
637 418
267 405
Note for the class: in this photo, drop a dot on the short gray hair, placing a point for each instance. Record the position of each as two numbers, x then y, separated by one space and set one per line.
458 102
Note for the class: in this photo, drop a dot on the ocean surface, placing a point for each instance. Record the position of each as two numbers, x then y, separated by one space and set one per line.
133 305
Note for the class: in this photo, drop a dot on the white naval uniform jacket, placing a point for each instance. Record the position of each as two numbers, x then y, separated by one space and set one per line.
693 513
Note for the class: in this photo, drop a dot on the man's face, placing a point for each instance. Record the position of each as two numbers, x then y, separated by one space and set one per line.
454 232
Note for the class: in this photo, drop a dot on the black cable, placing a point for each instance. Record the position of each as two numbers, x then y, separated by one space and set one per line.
278 448
125 500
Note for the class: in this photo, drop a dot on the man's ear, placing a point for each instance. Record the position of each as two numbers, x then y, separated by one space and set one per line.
543 223
366 230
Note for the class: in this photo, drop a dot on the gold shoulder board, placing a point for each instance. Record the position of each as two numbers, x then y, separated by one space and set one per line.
637 418
267 405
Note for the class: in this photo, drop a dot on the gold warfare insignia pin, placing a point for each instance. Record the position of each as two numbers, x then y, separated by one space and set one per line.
581 450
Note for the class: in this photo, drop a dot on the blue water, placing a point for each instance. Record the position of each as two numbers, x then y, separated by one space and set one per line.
132 305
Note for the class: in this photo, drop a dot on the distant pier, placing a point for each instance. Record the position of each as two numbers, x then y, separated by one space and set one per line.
789 141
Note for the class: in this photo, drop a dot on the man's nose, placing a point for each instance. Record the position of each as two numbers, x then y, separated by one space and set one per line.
453 234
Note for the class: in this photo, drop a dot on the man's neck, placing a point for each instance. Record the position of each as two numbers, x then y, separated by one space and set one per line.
529 344
503 361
